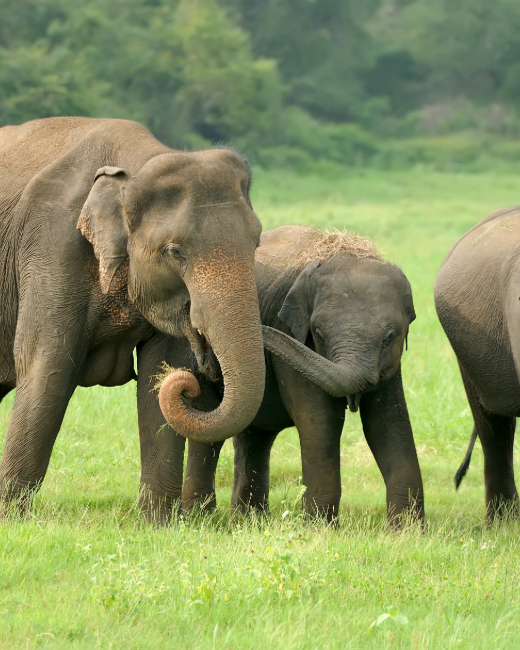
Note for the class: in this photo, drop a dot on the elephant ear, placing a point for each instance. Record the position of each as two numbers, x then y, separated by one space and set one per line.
411 312
408 300
102 222
297 307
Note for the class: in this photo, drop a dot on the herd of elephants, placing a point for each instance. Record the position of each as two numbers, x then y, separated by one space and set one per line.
111 242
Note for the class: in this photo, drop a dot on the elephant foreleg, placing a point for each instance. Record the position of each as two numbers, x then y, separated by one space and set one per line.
44 389
162 449
251 482
388 431
320 435
319 418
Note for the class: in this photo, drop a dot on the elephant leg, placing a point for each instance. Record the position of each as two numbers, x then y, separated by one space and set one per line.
388 431
497 434
162 449
45 386
251 480
320 435
199 482
319 418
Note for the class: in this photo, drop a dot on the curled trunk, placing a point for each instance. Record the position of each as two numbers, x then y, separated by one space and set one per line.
339 380
236 338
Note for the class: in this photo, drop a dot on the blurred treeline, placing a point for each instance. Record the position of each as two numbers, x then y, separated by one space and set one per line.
287 81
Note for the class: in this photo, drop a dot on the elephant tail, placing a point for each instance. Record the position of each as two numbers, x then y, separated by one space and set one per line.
461 472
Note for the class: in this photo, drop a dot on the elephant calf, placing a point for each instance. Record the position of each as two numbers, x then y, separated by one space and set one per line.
345 314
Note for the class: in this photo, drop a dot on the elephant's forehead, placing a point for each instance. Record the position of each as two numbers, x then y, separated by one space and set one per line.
344 271
356 288
217 168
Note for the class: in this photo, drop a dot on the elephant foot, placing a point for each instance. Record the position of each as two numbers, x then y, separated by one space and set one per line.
317 510
17 497
501 508
248 502
157 510
410 515
202 504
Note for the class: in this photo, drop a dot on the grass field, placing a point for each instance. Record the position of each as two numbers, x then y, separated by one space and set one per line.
83 573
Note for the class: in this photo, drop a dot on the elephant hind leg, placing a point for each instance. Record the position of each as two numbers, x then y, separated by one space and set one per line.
497 434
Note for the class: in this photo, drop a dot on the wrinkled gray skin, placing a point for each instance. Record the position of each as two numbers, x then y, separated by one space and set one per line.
477 296
106 237
353 317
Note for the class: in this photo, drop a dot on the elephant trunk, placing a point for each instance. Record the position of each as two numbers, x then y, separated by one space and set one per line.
234 332
339 380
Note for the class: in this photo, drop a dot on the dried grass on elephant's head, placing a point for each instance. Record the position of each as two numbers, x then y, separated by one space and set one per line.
334 242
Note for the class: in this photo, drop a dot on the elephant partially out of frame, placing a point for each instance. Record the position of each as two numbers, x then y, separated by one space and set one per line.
335 322
107 237
477 296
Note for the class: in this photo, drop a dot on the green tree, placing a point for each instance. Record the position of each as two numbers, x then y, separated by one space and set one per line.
322 47
183 68
469 47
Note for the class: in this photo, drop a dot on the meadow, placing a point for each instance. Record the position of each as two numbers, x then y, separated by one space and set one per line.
82 571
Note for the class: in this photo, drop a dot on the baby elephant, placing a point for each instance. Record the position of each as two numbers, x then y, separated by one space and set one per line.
346 315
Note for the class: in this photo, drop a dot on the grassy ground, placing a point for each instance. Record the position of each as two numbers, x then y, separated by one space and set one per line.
82 573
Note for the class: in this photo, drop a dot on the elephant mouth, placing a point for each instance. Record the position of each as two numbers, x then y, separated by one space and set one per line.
201 348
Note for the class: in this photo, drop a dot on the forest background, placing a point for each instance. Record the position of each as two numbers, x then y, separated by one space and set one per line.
386 83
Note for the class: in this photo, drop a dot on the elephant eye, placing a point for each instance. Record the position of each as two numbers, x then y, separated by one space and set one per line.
318 333
388 338
174 250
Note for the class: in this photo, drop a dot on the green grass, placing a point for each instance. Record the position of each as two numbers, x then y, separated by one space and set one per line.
82 572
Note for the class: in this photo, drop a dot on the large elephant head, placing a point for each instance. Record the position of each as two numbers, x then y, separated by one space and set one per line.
355 313
184 226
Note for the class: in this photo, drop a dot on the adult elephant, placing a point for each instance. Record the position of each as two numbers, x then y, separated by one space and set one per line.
477 295
106 236
337 317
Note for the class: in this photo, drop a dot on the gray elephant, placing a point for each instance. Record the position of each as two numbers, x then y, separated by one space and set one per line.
108 236
334 294
477 296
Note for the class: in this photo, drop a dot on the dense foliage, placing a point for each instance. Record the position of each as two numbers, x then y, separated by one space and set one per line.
287 80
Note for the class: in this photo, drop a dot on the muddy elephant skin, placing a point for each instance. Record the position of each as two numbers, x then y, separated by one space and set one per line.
342 323
477 296
106 237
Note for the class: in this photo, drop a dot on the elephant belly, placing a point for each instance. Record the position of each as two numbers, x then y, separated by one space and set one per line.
109 365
